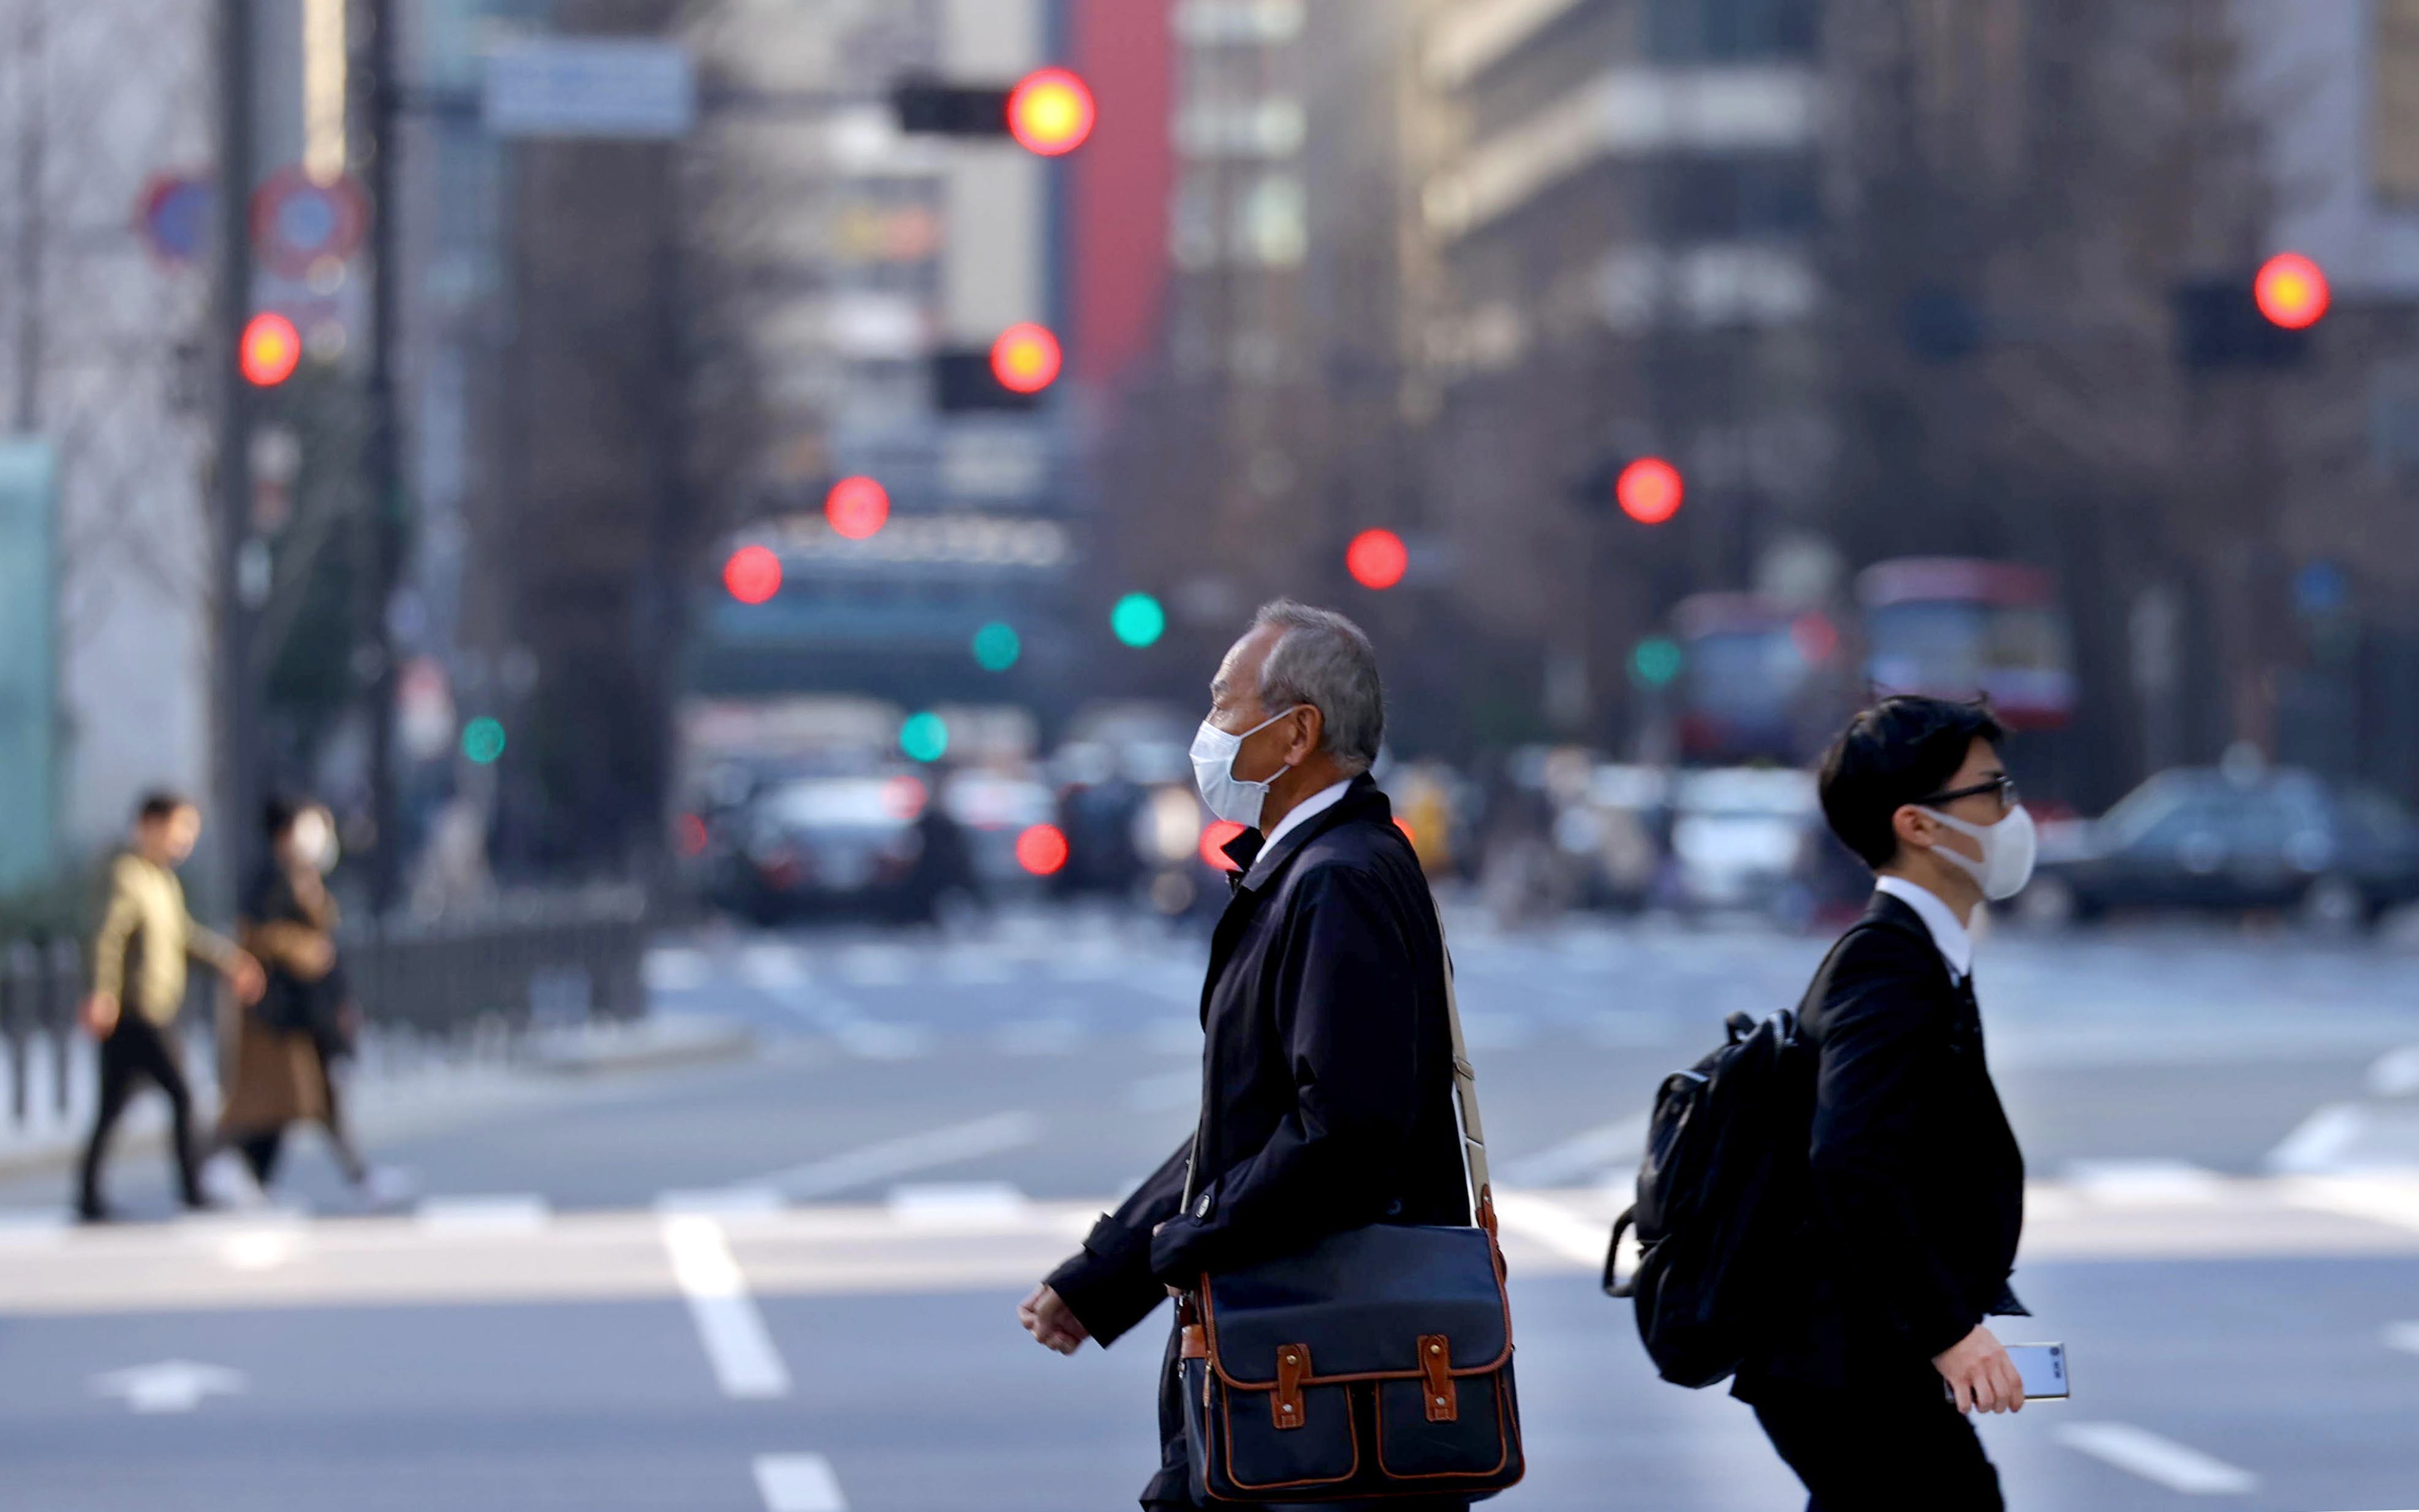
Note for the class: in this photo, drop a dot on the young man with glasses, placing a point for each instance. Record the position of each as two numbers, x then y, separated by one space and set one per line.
1916 1183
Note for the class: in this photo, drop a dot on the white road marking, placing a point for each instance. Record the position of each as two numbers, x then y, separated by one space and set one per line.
261 1249
168 1386
2321 1141
957 1204
2147 1183
673 969
876 965
798 1483
1582 1156
2403 1337
2162 1460
722 1201
2392 1199
772 967
1547 1222
904 1156
33 1228
1169 1090
517 1213
728 1323
2395 1074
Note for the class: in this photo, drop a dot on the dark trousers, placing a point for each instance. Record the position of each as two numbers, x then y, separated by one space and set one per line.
1879 1452
262 1148
139 1050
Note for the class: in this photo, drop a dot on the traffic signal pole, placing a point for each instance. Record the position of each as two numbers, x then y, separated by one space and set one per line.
235 701
380 540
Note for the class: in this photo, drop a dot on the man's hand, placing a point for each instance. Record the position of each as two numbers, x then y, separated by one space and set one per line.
1051 1321
244 975
314 956
99 1015
1981 1376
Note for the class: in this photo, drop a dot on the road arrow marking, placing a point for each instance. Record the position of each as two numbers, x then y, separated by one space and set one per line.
169 1386
2175 1466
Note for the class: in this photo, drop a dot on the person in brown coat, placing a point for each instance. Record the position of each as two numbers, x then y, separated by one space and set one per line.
277 1052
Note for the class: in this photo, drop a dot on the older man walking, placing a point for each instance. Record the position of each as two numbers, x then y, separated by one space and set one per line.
1327 1067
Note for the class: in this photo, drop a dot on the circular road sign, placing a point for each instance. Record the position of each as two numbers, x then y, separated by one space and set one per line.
296 221
174 216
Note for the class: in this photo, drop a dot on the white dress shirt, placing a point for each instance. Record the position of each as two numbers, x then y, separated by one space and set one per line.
1306 811
1949 935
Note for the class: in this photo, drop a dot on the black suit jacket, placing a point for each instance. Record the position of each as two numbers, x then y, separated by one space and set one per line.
1917 1185
1326 1079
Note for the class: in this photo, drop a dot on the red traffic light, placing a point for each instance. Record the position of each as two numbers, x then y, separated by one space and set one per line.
858 507
1377 559
1051 112
753 574
1027 358
270 350
2291 291
1041 850
1215 837
1648 491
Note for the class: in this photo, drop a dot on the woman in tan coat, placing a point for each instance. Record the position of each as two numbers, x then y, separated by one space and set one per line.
277 1052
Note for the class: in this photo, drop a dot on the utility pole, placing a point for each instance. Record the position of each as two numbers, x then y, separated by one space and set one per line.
381 527
238 701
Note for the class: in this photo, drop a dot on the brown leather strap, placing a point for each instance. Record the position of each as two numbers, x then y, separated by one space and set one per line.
1286 1408
1436 1373
1195 1342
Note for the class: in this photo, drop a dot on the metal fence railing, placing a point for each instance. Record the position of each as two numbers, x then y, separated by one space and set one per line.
469 983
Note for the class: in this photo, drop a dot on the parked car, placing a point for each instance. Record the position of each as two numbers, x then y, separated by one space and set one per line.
2224 840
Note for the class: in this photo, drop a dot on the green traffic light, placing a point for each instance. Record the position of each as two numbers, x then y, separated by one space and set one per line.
482 740
997 647
925 737
1137 620
1656 662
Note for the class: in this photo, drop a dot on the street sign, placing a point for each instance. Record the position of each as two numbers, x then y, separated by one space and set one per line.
593 88
174 216
296 221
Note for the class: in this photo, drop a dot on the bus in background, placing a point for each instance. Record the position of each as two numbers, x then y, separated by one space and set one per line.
1954 627
1757 682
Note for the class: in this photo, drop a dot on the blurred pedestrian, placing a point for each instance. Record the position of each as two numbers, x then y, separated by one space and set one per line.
1328 1062
279 1052
945 863
1917 1184
138 987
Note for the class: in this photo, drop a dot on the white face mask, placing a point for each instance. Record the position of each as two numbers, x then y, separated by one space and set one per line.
2007 862
1229 796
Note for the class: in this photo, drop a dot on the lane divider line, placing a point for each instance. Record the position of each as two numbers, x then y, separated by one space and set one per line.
2403 1337
2160 1460
798 1483
737 1344
1547 1223
904 1156
513 1213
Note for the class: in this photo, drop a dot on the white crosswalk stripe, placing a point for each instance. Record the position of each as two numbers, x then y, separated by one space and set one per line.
798 1483
2160 1460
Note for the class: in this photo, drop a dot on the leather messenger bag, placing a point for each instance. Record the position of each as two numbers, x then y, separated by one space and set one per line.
1376 1363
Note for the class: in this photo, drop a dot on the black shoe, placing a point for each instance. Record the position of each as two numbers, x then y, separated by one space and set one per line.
95 1212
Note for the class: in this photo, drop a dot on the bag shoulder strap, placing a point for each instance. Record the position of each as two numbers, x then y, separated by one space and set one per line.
1465 1090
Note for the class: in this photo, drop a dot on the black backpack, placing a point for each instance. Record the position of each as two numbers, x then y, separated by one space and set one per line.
1721 1193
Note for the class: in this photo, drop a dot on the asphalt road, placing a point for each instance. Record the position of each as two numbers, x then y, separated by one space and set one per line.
786 1282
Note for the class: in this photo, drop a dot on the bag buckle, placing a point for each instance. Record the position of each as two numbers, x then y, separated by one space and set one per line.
1436 1379
1287 1408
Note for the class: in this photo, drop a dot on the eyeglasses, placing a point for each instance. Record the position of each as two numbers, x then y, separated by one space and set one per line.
2004 785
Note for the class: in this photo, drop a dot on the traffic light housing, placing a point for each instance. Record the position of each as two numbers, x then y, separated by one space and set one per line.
967 378
1049 111
2253 319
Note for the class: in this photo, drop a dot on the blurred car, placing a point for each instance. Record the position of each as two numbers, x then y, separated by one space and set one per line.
998 811
826 844
1738 834
2231 839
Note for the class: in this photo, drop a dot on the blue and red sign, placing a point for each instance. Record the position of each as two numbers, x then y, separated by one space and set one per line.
299 222
174 215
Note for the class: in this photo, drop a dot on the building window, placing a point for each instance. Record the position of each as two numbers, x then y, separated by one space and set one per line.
1735 198
1729 31
2394 126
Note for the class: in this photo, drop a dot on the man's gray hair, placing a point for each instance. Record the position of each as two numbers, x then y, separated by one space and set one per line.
1326 661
